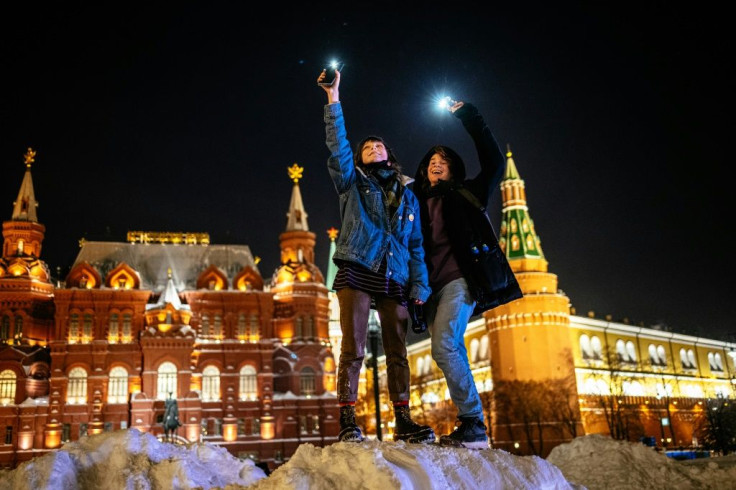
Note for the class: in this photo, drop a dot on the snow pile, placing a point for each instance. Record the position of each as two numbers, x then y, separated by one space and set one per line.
596 461
131 459
375 465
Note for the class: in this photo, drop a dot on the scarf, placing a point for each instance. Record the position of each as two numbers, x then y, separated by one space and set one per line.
388 179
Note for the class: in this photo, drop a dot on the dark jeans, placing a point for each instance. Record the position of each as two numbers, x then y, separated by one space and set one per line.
355 307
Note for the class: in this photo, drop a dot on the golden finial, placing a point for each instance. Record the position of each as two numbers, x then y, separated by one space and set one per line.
168 272
257 260
295 172
29 157
332 233
508 150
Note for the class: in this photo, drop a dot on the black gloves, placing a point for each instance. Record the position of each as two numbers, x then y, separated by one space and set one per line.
416 314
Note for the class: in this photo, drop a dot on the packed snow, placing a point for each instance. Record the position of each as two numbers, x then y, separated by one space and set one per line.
130 459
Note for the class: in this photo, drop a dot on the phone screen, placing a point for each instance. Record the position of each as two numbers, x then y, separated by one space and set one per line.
330 75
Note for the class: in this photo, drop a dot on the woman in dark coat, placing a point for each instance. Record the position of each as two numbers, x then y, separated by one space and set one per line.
468 273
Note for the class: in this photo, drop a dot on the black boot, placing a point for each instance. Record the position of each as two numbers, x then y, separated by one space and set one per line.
469 433
349 430
409 431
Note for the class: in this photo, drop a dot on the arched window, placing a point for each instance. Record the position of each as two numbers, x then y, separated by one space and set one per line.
716 364
309 326
5 329
87 328
127 328
241 335
691 357
633 388
631 350
298 321
483 354
684 360
166 382
420 365
217 326
248 383
113 330
7 386
205 327
657 355
585 347
253 334
427 363
76 393
210 384
306 381
117 391
474 346
74 333
18 327
621 351
595 344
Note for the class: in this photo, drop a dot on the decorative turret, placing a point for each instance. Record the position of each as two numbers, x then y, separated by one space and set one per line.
168 313
25 280
297 242
331 266
23 234
529 337
518 238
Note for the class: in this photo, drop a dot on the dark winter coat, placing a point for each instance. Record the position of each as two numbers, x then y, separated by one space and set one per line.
465 221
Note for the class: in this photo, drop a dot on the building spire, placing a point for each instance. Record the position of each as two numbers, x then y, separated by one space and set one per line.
24 207
518 238
331 267
297 215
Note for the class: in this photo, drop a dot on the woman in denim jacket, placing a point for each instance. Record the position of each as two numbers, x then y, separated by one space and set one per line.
380 262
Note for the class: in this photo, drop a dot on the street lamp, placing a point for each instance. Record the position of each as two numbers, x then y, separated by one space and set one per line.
374 332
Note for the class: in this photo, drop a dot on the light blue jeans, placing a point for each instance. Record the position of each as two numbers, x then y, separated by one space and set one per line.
448 312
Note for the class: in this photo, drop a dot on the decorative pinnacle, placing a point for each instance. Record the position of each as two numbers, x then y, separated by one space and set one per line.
295 172
168 272
332 233
29 157
508 150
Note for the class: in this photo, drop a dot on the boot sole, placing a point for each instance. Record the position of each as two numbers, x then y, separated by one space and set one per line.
477 445
422 437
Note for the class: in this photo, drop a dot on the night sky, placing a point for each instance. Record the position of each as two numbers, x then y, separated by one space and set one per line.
187 118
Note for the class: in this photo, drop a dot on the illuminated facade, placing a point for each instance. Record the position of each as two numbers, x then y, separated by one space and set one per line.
658 379
164 315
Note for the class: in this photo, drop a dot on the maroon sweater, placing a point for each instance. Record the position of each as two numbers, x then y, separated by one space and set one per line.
441 262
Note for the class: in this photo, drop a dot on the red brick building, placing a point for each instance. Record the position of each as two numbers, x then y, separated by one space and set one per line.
164 315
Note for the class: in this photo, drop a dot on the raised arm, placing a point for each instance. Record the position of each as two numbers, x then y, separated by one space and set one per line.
490 157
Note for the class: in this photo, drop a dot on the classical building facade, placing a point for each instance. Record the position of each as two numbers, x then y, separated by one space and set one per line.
164 317
654 381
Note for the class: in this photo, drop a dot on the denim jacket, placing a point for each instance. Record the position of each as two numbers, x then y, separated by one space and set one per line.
366 235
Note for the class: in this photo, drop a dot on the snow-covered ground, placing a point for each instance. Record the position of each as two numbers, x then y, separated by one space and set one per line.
134 460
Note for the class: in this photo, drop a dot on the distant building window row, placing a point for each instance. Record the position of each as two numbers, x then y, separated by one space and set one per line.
626 352
81 328
118 388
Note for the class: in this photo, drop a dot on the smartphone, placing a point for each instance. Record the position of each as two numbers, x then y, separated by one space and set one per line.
330 73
